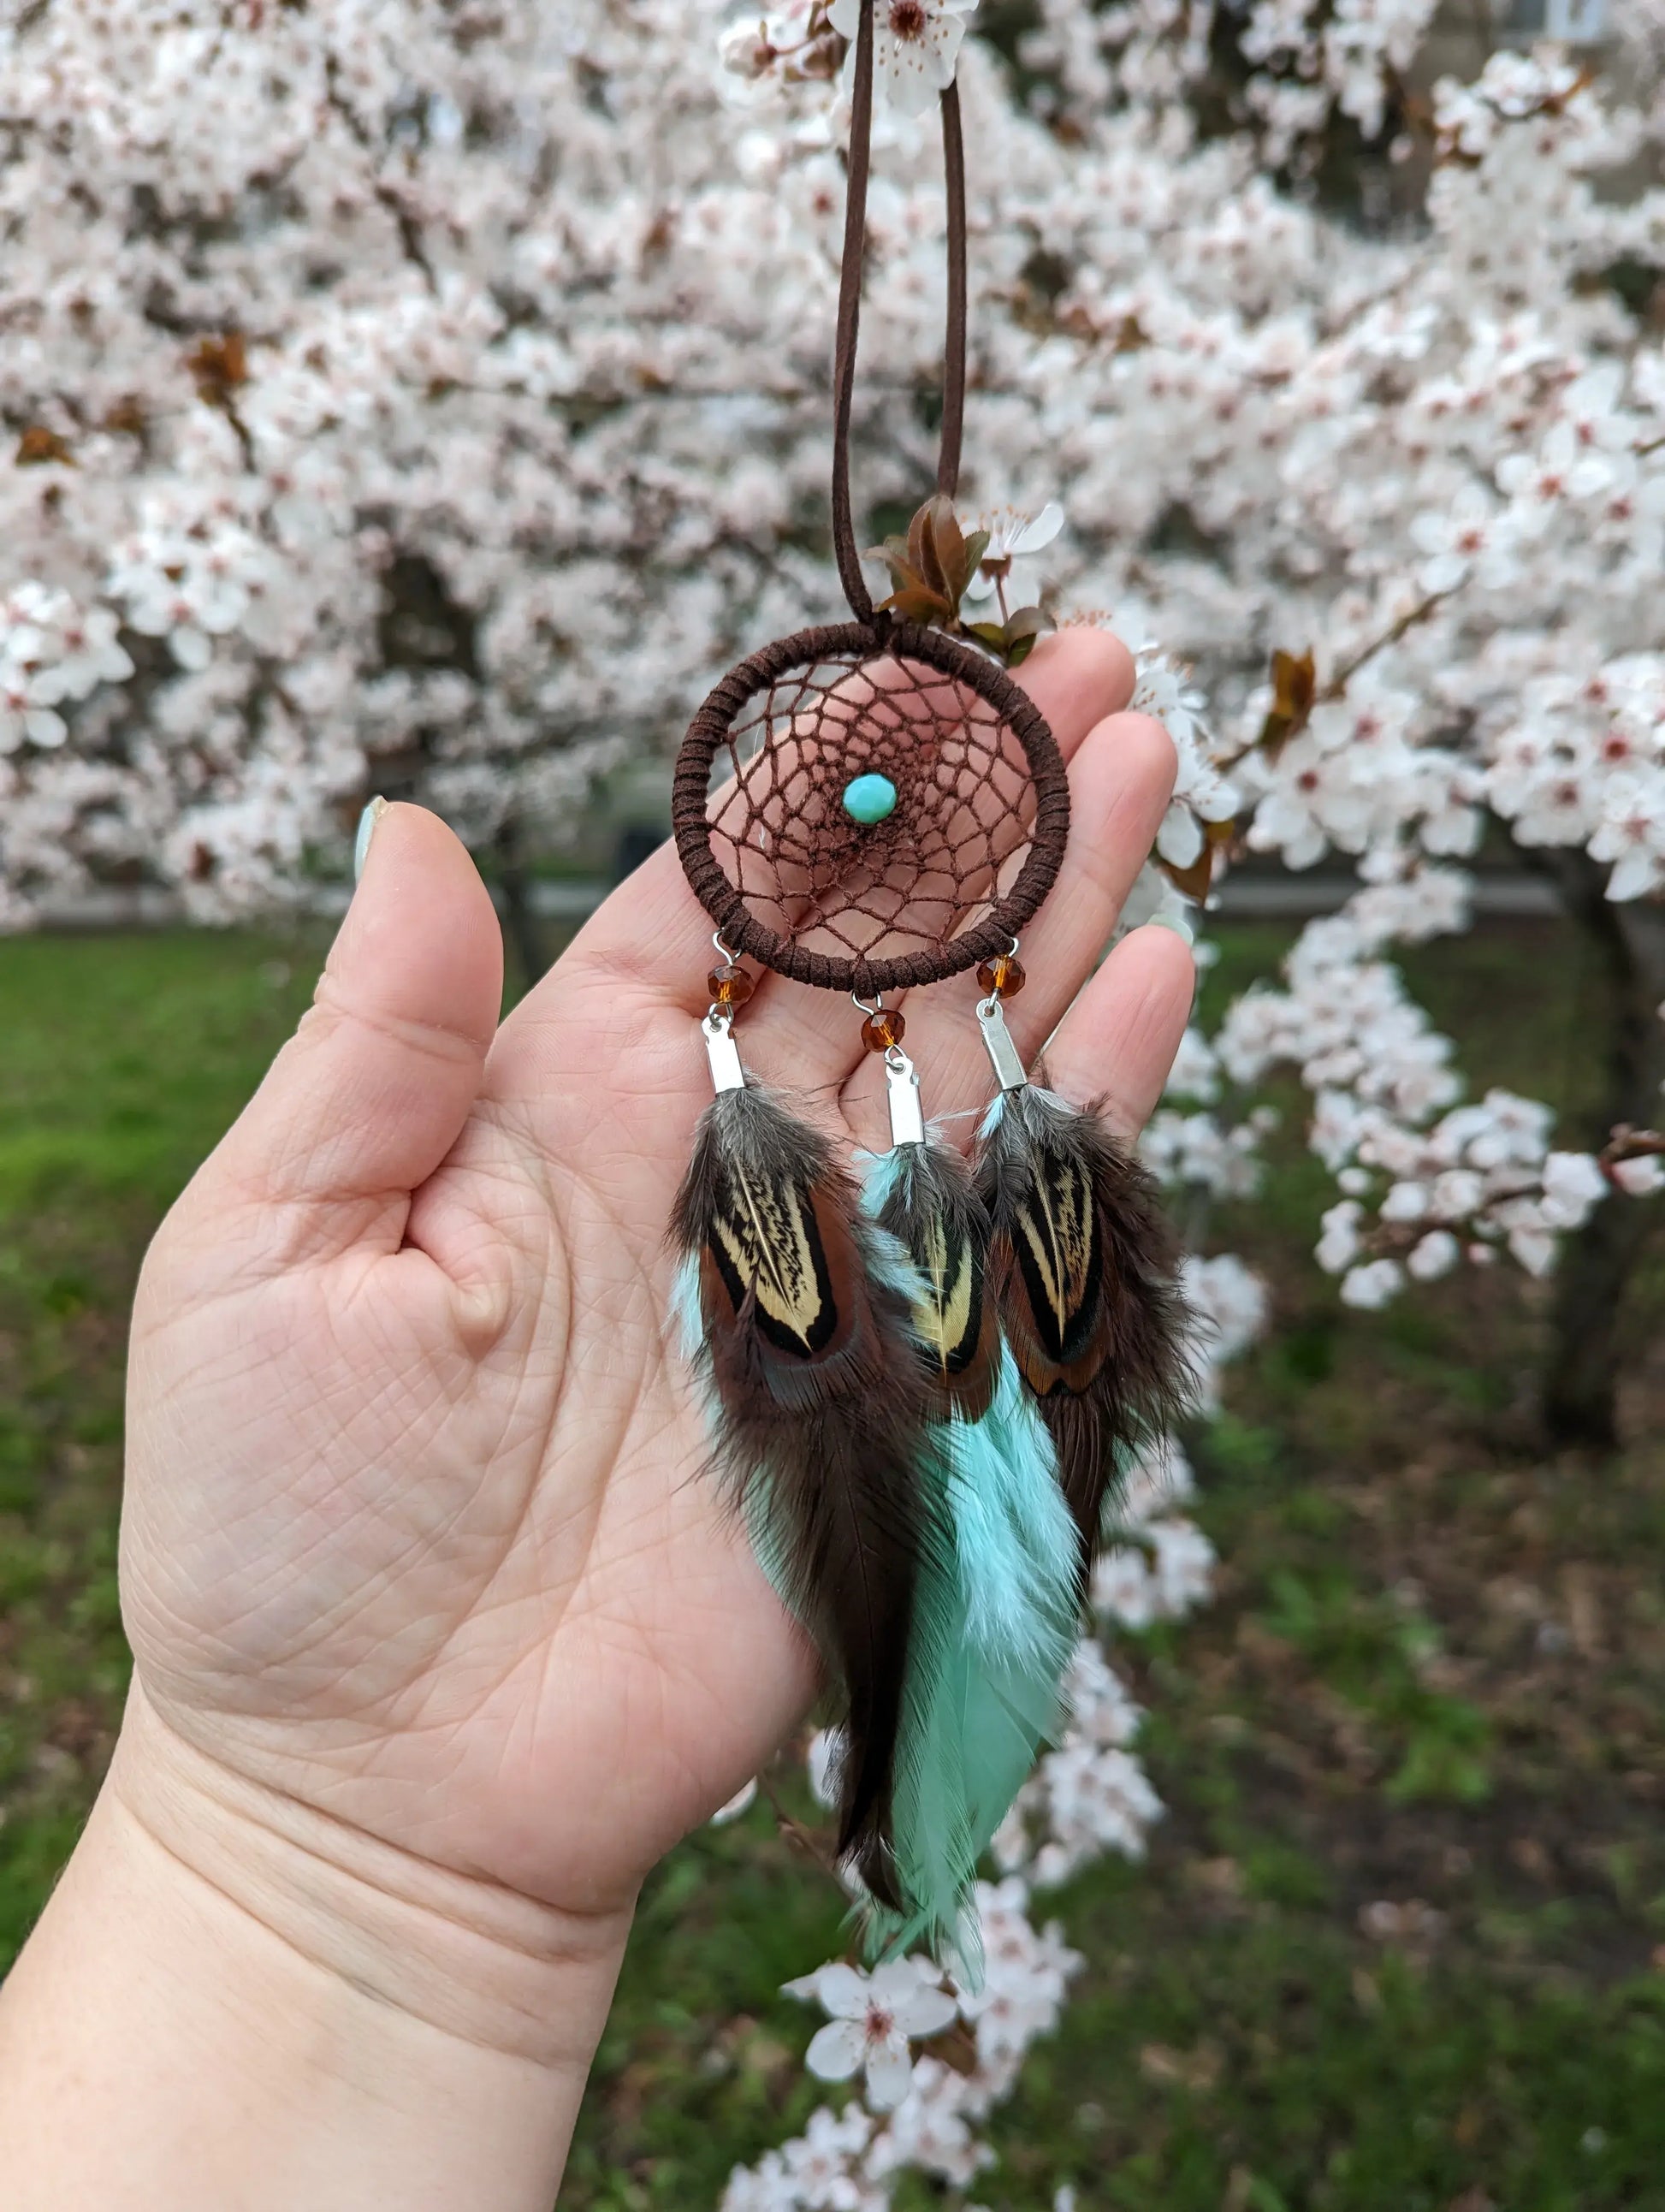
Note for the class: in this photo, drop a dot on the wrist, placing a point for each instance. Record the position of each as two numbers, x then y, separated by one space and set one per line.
233 1998
460 1953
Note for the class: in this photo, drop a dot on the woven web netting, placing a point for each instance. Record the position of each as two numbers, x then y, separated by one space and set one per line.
918 882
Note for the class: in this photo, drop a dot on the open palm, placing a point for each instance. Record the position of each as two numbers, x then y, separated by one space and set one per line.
417 1531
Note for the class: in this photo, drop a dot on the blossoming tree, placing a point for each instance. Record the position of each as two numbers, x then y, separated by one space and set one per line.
424 396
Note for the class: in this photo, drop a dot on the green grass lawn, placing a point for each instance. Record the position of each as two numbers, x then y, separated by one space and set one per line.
1434 1679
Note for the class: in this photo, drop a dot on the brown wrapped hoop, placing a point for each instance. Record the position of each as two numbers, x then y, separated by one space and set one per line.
967 801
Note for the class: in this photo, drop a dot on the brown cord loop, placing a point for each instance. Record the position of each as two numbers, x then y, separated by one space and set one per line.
846 550
792 880
796 871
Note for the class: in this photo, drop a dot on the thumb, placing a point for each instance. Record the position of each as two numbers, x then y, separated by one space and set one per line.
372 1091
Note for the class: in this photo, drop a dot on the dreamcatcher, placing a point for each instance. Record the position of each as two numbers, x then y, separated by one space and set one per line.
921 1382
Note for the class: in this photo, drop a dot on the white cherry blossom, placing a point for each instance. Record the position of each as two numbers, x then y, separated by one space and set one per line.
931 2130
1371 1285
819 2163
916 44
1474 537
873 2017
1433 1255
1012 536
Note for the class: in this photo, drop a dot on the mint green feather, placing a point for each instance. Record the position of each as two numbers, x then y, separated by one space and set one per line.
998 1617
1016 1541
986 1697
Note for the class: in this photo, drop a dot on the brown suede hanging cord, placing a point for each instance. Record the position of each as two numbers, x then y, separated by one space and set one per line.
846 551
953 358
981 805
844 548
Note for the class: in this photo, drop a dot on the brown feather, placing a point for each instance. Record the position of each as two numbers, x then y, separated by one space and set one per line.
1084 1269
931 1208
823 1419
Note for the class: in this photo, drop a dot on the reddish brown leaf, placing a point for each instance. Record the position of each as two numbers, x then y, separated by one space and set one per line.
1294 687
220 366
39 445
1195 880
915 603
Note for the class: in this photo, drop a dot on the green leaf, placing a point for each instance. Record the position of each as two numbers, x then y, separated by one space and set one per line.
975 546
1021 631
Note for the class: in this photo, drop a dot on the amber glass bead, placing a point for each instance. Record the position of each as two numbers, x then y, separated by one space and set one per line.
883 1029
729 987
1001 979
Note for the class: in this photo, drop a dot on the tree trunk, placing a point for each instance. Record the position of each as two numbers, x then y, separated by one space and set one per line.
1580 1382
520 925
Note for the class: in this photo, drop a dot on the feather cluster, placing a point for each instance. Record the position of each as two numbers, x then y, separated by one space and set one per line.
801 1317
921 1393
999 1601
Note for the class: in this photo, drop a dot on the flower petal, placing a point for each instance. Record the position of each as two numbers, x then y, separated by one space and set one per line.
897 1980
842 1992
45 726
836 2050
927 2012
1179 840
1041 530
890 2072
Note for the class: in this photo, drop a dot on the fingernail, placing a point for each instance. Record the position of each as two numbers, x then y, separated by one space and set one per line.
366 829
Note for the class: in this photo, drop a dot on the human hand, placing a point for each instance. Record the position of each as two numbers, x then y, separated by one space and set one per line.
416 1529
441 1635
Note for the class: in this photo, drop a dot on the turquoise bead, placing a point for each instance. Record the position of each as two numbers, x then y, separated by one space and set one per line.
869 799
